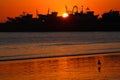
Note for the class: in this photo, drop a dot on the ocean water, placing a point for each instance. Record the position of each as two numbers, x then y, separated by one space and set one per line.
27 45
60 56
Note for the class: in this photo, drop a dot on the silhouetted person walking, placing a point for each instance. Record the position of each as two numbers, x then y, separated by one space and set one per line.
99 65
99 62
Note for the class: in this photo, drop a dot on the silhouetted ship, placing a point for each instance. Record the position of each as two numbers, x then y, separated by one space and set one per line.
77 21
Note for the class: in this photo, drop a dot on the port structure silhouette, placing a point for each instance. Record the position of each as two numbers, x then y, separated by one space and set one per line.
76 21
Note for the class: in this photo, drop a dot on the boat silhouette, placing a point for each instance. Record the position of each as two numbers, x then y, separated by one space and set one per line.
77 21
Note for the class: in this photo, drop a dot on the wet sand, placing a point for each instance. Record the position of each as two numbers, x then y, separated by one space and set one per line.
87 67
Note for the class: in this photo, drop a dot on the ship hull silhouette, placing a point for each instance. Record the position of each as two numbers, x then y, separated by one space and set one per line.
110 21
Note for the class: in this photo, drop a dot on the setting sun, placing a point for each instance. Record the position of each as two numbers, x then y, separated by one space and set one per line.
13 8
65 15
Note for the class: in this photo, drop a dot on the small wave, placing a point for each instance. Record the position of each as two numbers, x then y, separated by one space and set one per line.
26 57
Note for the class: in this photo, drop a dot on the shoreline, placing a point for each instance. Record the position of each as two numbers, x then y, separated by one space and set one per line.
62 56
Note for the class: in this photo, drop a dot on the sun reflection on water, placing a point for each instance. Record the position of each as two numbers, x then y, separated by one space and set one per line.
66 68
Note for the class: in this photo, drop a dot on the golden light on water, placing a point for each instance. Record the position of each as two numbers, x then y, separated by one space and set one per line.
66 68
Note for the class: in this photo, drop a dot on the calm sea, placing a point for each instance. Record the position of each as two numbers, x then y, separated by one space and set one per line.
19 53
24 45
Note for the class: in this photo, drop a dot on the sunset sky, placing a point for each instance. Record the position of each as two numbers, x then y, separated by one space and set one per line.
13 8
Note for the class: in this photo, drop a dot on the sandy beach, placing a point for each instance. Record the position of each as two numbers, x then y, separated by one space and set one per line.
60 56
63 68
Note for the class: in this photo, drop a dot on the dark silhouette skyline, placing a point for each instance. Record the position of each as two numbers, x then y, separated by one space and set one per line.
12 8
77 21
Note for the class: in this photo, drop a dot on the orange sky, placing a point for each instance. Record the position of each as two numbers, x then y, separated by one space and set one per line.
13 8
